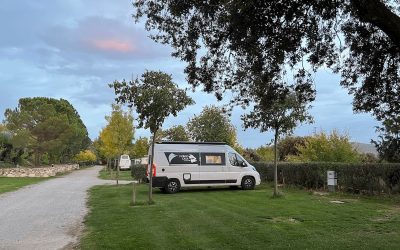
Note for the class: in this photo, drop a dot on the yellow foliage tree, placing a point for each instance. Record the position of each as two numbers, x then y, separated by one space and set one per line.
86 157
116 138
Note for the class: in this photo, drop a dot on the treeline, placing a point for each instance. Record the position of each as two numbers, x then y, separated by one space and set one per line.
118 136
42 131
319 147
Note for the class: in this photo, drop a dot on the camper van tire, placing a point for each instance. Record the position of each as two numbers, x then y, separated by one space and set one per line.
173 186
248 183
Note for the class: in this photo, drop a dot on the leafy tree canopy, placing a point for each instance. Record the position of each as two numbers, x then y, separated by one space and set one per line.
46 125
388 144
176 133
154 96
288 146
212 125
141 147
250 46
116 138
327 148
85 156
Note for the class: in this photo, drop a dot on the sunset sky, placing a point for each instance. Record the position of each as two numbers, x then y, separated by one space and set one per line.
73 49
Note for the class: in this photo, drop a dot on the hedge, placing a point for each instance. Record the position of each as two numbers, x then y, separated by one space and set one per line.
352 177
369 178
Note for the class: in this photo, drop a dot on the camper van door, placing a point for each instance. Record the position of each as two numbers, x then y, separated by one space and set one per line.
212 167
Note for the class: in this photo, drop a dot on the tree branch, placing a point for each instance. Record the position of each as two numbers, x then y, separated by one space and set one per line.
377 13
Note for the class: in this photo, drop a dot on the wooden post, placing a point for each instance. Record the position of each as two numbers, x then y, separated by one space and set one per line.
134 193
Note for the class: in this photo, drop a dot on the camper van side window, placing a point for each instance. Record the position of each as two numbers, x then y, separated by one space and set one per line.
212 159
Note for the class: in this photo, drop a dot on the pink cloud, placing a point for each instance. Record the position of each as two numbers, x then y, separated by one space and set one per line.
112 45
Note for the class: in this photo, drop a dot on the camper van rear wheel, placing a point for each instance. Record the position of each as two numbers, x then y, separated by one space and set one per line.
172 186
248 183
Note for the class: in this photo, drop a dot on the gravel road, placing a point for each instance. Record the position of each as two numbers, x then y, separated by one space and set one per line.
47 215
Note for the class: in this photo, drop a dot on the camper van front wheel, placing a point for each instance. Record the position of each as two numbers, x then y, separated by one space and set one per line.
248 183
172 186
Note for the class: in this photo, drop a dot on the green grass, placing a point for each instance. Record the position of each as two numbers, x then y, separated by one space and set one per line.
236 219
8 184
123 175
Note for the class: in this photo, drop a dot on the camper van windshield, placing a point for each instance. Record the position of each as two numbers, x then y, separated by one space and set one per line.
236 160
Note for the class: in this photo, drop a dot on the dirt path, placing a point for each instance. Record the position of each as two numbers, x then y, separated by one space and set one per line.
47 215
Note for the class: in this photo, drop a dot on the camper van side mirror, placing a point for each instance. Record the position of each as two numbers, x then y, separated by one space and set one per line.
244 164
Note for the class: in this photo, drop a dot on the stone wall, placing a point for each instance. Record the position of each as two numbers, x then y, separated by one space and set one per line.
37 172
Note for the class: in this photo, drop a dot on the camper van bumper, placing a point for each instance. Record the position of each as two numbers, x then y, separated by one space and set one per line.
159 181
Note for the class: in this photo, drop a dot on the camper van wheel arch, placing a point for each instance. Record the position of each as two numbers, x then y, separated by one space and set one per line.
248 183
172 186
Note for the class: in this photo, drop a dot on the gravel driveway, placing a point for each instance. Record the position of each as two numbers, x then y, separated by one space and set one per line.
47 215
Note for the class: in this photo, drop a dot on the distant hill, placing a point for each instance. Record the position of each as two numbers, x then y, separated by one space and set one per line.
364 148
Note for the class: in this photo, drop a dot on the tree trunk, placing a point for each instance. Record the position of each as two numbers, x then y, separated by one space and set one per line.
151 169
117 164
276 163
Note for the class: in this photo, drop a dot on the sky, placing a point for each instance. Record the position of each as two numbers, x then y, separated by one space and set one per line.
73 49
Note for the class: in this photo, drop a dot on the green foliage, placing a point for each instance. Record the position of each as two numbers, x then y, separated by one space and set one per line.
176 133
373 178
249 154
248 46
116 138
85 157
154 96
46 126
212 125
327 148
388 144
288 147
140 147
138 172
266 153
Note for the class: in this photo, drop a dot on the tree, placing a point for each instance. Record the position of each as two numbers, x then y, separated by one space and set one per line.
212 125
281 117
176 133
240 46
155 97
266 153
388 144
288 146
327 148
85 157
141 147
47 126
118 135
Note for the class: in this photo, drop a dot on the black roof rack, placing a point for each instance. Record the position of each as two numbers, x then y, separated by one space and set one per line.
191 142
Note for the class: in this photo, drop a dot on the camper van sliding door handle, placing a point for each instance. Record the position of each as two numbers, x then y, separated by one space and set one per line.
163 169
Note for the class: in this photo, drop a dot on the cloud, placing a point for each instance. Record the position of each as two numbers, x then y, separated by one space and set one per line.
95 38
113 45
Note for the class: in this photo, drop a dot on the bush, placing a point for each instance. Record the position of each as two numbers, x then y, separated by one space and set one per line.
85 157
352 177
138 172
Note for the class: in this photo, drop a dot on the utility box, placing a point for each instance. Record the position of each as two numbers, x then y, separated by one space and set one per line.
332 181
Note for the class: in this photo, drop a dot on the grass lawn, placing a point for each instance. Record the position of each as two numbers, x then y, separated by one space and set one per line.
236 219
13 183
123 175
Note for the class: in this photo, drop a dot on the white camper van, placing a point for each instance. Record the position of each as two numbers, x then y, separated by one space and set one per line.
124 162
196 164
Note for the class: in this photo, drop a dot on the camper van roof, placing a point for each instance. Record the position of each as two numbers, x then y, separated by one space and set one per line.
191 142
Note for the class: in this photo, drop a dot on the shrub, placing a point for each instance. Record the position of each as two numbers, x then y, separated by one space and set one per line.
138 172
352 177
85 157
